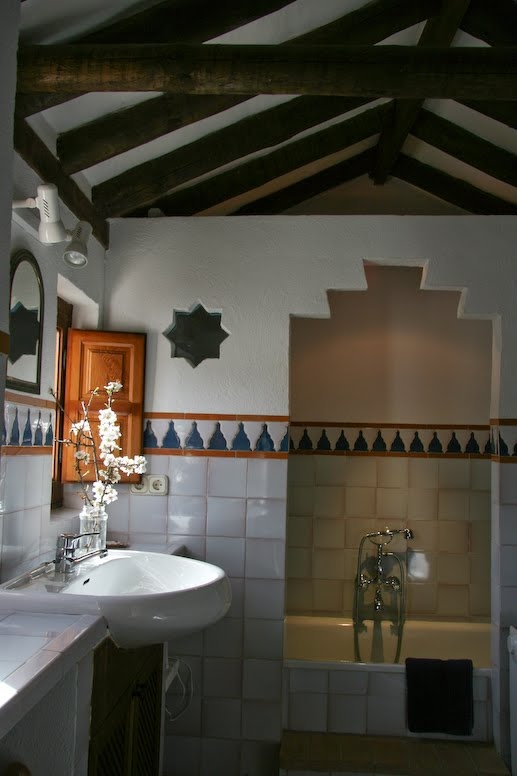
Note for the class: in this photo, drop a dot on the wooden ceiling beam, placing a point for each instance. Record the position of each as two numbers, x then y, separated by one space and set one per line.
259 171
438 31
348 71
499 110
191 21
453 190
465 146
34 151
494 22
312 186
146 182
115 133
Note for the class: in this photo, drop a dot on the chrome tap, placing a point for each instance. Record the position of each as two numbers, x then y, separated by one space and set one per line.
66 545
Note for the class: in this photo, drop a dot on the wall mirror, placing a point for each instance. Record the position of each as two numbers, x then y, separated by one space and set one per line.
25 324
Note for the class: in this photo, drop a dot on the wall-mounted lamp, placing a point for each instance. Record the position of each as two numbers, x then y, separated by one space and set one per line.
51 228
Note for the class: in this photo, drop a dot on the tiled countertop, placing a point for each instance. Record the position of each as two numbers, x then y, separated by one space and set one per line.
36 650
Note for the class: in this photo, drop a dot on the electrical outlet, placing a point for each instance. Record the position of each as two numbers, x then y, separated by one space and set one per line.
140 487
158 484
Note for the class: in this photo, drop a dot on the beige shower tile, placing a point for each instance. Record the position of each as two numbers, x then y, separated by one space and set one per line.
298 595
480 506
480 538
329 501
425 534
423 473
422 503
299 562
329 533
327 595
299 531
300 470
454 474
359 502
421 566
453 569
328 564
480 474
392 503
422 598
355 529
453 505
348 598
453 536
392 472
480 598
330 469
350 558
361 472
453 601
301 500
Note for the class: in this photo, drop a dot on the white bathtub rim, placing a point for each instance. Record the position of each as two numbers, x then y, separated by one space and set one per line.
348 665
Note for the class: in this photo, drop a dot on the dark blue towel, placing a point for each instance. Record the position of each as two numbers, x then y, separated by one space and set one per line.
439 696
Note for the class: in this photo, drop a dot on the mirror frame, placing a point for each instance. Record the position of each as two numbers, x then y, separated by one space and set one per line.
27 386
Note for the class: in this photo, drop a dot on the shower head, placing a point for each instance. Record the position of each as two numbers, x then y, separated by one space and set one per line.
408 533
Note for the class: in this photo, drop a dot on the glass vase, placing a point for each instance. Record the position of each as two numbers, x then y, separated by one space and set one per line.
93 521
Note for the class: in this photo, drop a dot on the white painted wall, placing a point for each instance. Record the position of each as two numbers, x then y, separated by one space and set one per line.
259 271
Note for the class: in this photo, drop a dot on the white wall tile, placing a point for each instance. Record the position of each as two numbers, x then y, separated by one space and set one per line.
188 475
348 682
228 553
308 711
218 756
262 680
221 718
359 501
226 516
329 501
222 677
261 721
264 598
267 478
301 470
453 505
308 680
263 639
265 558
423 473
186 515
227 477
347 714
422 504
148 514
266 518
224 639
454 473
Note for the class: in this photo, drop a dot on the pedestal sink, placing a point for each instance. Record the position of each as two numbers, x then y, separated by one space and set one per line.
145 597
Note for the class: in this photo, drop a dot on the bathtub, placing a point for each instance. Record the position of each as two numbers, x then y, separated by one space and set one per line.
326 691
332 639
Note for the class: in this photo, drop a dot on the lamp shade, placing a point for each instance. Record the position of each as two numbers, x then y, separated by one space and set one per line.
76 252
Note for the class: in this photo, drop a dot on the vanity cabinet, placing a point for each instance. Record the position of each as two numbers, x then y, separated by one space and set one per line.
126 711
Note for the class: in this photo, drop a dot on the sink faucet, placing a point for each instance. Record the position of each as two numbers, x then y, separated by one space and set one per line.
66 545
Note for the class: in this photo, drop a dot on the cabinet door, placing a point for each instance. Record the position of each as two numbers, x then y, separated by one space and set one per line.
96 358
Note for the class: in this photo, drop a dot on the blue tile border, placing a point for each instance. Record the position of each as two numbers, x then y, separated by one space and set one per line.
26 425
374 440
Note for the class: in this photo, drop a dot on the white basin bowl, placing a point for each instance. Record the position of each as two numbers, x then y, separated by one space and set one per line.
145 597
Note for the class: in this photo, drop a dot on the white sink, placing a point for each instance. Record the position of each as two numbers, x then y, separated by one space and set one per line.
145 597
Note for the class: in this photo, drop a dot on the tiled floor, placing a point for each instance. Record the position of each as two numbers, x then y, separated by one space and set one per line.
345 755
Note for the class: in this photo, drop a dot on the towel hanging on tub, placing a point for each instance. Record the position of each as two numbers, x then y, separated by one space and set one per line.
439 696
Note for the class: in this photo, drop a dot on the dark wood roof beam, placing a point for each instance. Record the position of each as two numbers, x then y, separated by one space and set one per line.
504 111
256 172
146 182
438 31
449 189
463 145
495 22
96 141
319 183
348 71
191 21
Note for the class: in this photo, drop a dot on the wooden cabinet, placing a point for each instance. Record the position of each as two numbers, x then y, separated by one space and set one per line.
126 711
95 358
